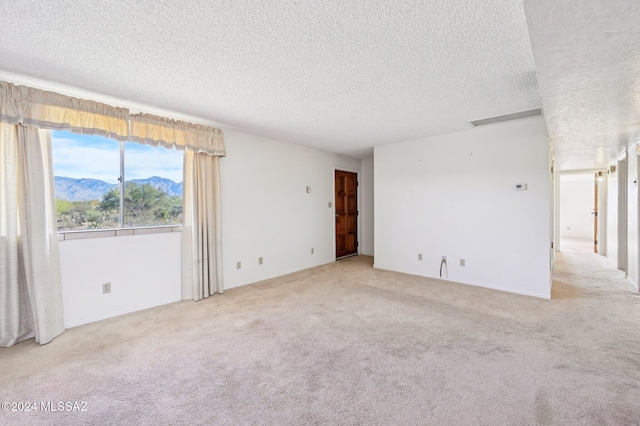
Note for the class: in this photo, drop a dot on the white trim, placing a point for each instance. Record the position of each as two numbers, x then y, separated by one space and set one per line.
603 196
448 282
116 232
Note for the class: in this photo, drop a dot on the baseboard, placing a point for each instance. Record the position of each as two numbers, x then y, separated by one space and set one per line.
538 296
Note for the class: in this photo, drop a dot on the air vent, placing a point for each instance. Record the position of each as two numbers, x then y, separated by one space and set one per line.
508 117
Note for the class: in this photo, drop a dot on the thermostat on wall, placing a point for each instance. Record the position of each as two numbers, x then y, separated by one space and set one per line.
520 186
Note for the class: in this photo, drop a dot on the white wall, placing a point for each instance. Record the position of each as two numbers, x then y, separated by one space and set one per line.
266 211
632 216
615 223
576 206
367 205
453 195
144 271
612 218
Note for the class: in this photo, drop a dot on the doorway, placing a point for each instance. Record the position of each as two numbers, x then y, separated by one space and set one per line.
577 212
346 202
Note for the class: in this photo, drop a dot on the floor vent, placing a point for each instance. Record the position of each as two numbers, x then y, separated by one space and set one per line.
508 117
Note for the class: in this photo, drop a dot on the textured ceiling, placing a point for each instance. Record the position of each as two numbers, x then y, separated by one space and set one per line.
587 56
341 76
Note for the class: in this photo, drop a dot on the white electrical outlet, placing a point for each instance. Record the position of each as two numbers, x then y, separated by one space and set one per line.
520 186
419 256
462 262
444 258
238 265
260 260
311 250
106 288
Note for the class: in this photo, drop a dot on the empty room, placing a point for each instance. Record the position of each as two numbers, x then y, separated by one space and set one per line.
354 212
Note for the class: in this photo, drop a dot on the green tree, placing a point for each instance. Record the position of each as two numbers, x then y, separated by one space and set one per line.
111 200
143 205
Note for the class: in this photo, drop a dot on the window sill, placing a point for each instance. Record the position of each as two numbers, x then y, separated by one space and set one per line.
119 232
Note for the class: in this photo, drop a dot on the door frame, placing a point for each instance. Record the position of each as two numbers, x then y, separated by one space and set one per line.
558 179
622 169
333 204
603 199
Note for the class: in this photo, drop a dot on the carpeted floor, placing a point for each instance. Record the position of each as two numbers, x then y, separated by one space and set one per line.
347 344
580 245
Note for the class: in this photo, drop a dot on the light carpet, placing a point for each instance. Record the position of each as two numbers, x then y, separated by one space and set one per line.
347 344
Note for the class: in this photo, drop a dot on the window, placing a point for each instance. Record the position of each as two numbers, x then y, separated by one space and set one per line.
88 191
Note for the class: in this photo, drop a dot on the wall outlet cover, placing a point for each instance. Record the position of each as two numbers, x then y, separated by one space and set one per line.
520 186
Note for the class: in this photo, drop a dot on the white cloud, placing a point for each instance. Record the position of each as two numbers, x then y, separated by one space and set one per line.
76 160
81 159
144 162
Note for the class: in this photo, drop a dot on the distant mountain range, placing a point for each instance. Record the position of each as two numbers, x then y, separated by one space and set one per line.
93 189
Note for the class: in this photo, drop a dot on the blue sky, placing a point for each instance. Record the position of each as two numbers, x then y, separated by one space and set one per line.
86 156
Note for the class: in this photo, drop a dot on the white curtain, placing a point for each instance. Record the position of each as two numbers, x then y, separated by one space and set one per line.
201 227
201 224
30 285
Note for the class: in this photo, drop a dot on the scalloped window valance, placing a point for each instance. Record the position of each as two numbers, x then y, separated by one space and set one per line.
154 130
48 110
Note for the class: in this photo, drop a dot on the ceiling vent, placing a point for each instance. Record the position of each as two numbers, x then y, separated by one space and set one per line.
508 117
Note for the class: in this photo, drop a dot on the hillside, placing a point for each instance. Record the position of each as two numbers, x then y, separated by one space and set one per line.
93 189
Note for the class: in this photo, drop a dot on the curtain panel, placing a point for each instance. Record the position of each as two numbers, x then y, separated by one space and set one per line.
30 283
201 227
48 110
201 223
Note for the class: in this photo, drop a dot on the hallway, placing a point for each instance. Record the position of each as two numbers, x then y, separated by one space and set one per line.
599 330
576 245
592 277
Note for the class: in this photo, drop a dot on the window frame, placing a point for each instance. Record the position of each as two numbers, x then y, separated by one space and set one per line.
121 229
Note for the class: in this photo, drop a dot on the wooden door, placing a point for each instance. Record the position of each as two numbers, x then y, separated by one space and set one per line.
346 213
595 214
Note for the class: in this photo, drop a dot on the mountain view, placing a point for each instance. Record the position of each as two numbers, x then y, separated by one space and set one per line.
70 189
94 204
